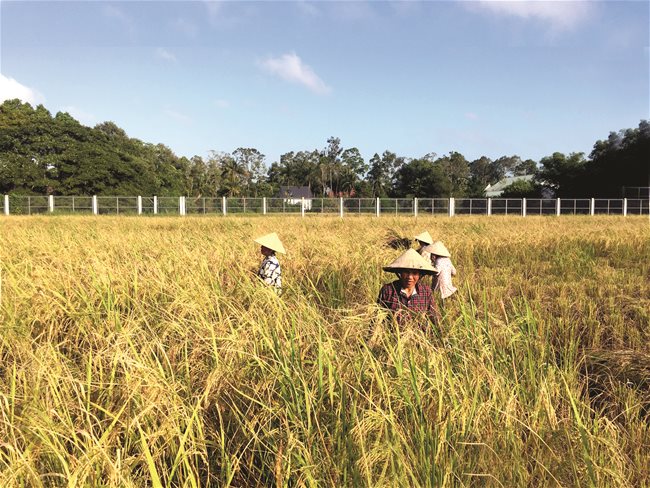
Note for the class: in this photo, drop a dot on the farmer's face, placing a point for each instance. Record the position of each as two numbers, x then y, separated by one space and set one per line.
409 278
266 251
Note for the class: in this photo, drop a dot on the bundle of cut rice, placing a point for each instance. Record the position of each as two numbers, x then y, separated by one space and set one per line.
395 241
631 368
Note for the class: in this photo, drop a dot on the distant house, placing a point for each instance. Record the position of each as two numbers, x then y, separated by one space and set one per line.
494 191
293 195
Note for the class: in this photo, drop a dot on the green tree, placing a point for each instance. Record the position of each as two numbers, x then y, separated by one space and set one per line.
561 174
505 165
353 170
233 176
521 189
527 167
454 170
482 172
381 174
296 169
251 162
417 178
622 160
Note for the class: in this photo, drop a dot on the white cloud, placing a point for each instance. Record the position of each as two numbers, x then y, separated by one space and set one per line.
179 117
82 116
214 7
222 103
10 88
559 14
291 68
353 11
471 116
162 53
113 12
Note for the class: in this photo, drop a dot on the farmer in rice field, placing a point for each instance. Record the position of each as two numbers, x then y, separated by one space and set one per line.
440 258
270 272
423 240
407 297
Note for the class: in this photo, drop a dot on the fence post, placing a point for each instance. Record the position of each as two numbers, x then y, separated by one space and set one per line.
223 205
592 206
302 206
181 206
155 205
452 206
489 206
95 205
6 204
263 205
557 207
50 203
139 205
625 207
523 207
415 207
341 207
378 207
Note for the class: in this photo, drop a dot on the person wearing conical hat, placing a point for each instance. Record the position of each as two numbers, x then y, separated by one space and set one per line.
424 239
440 257
270 271
406 296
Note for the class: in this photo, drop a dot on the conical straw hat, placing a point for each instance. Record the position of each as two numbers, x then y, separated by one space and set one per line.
438 248
411 260
272 241
424 237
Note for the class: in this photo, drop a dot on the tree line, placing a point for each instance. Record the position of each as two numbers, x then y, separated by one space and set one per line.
56 155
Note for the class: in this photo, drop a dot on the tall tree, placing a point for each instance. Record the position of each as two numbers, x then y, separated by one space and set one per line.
505 165
417 178
561 173
233 176
525 167
296 169
353 170
454 169
622 160
482 172
381 174
251 162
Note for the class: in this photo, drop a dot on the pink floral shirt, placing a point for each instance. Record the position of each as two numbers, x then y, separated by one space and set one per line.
445 271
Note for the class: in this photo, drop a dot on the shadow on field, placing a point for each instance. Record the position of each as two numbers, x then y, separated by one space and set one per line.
608 372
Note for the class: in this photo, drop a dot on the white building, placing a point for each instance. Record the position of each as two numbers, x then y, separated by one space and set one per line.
494 191
293 195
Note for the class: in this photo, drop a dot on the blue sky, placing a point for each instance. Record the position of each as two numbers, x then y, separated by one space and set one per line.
483 78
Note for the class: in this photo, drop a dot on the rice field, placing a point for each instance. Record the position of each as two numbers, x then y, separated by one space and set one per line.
142 352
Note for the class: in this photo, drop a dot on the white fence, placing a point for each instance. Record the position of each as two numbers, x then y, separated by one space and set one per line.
138 205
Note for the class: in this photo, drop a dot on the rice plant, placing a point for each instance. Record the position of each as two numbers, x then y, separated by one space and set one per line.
143 352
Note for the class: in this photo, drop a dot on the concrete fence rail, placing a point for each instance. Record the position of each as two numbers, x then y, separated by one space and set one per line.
155 205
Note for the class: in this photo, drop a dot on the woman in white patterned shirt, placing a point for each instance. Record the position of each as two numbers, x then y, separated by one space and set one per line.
440 260
270 271
424 240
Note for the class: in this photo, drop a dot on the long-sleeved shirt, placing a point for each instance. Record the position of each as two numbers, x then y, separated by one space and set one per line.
270 272
425 254
445 271
419 304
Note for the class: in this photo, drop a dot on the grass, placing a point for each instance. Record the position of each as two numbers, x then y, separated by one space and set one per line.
139 352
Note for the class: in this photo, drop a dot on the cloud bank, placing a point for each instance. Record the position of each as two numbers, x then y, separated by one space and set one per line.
291 68
560 15
162 53
10 88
